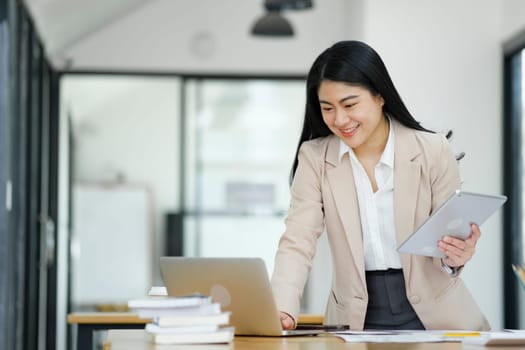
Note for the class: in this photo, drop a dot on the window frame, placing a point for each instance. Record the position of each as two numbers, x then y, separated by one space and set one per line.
512 178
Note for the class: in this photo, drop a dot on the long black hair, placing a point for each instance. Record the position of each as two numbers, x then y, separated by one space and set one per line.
355 63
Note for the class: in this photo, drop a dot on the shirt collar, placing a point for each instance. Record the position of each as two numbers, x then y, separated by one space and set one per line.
387 157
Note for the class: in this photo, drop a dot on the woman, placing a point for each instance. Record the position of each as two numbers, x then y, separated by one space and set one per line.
369 174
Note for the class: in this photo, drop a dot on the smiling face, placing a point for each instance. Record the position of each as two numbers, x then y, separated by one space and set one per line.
354 115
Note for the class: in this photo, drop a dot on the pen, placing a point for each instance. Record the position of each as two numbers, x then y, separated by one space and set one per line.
462 334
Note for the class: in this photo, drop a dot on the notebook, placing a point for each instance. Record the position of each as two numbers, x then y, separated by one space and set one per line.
241 285
451 218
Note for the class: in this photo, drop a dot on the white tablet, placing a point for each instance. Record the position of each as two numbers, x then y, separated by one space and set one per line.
453 218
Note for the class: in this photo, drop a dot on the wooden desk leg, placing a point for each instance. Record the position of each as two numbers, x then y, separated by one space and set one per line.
85 336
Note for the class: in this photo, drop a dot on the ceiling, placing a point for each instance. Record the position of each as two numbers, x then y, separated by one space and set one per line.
62 23
181 35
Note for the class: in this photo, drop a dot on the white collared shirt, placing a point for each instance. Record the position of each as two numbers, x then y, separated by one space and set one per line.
377 209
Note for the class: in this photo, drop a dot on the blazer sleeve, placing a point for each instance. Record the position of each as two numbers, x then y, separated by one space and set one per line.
304 225
445 179
444 174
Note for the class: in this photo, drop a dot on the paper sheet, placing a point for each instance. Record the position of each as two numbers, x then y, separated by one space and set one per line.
405 336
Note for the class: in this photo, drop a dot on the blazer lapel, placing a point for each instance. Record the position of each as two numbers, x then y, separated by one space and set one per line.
407 172
341 180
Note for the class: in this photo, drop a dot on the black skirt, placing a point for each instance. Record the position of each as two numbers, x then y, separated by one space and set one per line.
388 306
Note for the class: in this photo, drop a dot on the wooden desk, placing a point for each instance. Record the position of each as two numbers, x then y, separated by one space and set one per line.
89 322
139 340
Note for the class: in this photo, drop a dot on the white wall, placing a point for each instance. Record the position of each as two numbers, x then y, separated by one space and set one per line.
512 21
446 60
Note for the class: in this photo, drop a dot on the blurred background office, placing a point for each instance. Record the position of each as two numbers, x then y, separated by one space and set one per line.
133 129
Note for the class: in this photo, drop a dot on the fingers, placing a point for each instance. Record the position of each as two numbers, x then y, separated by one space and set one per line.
458 252
455 243
475 233
287 321
454 257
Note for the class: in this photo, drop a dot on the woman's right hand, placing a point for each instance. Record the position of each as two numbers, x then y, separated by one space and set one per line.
287 321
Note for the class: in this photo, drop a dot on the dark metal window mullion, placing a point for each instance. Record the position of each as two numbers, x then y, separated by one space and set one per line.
6 290
43 208
20 172
53 110
512 187
33 196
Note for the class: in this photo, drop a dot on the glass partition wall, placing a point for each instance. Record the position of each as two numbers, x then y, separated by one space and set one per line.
125 171
174 166
241 139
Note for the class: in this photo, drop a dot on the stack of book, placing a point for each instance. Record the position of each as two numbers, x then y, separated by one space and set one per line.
193 319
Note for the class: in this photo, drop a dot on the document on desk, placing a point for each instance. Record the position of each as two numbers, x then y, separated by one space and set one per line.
497 338
404 336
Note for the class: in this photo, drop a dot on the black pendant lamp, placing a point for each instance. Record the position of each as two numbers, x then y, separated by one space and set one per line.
273 23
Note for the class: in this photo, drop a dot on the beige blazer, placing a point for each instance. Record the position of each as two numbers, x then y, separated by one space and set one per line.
324 197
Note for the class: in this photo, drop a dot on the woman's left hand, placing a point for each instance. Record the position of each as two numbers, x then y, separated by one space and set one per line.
457 251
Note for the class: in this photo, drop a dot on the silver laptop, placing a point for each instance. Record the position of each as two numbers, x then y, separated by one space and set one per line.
241 285
452 218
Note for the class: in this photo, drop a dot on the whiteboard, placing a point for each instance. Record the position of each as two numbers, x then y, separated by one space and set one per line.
112 244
